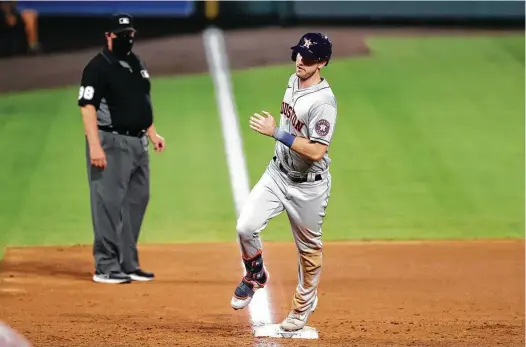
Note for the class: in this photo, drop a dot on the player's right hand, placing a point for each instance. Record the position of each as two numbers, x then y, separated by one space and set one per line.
97 156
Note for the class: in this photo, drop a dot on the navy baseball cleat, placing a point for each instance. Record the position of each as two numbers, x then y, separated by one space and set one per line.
256 278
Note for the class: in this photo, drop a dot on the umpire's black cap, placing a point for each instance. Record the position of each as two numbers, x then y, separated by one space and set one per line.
120 22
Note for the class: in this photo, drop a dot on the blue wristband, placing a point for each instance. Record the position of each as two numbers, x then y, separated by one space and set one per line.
284 137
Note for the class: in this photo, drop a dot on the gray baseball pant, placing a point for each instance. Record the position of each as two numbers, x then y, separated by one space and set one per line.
305 204
119 196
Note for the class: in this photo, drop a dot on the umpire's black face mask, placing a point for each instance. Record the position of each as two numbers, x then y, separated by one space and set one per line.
122 44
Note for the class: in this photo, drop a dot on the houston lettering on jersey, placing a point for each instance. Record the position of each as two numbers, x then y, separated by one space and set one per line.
288 111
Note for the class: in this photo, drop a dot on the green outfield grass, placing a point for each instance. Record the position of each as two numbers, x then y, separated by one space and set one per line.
429 140
46 198
429 144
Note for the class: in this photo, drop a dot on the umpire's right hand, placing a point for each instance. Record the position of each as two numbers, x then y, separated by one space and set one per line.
97 156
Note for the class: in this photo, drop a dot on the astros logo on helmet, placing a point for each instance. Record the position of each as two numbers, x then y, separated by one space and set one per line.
314 46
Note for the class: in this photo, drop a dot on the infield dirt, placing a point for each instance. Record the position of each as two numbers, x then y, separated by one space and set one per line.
371 294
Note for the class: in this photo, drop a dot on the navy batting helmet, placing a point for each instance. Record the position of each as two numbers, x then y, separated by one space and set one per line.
313 46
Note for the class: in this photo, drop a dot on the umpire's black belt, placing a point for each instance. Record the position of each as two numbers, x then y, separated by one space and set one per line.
317 177
134 133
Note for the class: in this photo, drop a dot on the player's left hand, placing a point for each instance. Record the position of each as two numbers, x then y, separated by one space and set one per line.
158 142
263 124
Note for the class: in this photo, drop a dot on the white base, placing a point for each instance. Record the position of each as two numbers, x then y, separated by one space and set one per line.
274 330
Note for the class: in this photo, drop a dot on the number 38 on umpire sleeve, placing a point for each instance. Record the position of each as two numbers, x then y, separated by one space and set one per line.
86 92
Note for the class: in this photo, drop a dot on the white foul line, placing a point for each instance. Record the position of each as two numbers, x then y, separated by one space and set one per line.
217 59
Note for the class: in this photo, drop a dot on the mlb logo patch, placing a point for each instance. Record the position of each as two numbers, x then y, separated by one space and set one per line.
145 74
124 20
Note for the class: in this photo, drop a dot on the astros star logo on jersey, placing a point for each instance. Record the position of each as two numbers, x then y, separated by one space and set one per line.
322 127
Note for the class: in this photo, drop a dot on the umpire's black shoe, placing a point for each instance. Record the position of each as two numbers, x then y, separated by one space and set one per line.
139 275
112 278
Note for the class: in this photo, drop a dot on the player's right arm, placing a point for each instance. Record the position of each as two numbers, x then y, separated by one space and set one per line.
89 97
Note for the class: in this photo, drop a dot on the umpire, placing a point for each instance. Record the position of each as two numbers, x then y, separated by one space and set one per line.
114 98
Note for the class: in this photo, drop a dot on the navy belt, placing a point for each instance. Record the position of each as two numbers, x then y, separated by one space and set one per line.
296 179
133 133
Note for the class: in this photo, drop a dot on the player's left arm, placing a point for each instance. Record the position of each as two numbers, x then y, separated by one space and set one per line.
321 127
312 150
321 121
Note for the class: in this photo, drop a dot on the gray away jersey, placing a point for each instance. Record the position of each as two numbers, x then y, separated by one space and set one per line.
309 113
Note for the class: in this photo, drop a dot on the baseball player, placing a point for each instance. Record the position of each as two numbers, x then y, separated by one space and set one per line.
296 180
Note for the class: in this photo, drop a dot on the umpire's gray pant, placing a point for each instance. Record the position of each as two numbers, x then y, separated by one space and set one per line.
119 196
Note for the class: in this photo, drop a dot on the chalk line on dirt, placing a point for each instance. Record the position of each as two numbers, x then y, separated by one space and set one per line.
217 59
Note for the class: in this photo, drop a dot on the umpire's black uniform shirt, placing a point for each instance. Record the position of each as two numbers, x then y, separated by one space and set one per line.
120 91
